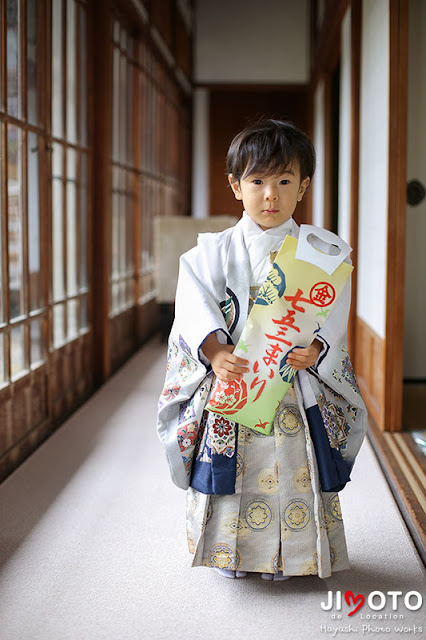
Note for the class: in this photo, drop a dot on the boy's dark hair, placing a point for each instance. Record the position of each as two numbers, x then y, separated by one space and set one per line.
269 147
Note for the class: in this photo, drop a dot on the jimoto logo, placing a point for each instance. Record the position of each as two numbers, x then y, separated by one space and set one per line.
376 601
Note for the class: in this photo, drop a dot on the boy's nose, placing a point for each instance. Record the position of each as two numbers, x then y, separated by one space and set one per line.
271 194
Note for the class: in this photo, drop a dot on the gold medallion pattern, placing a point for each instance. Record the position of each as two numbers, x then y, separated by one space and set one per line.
235 527
289 420
267 482
258 515
302 480
297 515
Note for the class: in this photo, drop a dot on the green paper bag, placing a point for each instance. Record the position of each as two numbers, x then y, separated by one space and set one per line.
293 303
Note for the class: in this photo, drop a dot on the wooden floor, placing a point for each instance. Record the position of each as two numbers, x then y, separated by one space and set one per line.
404 464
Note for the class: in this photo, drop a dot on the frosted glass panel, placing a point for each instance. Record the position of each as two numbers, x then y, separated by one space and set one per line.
71 73
58 239
17 337
57 70
15 222
34 223
83 221
71 239
32 86
37 350
72 319
13 59
83 113
58 325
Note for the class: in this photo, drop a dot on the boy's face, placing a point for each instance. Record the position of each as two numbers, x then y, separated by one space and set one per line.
270 200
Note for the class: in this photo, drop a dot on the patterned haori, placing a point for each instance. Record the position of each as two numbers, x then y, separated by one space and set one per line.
256 502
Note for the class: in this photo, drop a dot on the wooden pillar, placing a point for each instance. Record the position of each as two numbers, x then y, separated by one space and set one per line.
398 105
101 119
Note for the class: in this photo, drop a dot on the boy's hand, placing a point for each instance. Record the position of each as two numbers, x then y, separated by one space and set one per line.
302 358
226 366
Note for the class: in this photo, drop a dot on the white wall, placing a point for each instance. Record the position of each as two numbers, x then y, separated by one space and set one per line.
374 147
344 187
318 183
200 154
244 41
415 287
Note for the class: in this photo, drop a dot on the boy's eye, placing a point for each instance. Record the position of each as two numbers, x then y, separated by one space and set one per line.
257 181
285 182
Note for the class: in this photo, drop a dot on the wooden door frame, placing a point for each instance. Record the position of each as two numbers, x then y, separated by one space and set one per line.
101 118
397 176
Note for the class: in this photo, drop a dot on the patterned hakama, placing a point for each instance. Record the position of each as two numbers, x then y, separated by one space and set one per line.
278 519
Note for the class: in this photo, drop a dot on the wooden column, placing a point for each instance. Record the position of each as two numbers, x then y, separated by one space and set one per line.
398 104
101 171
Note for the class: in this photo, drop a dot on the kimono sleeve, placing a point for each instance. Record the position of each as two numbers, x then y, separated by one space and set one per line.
334 329
200 285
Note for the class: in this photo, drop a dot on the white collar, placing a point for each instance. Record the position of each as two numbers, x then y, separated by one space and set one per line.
252 231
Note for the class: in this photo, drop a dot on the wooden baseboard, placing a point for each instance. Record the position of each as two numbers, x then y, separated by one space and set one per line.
370 368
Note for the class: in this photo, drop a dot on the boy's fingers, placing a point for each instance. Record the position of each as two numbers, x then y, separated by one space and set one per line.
238 360
235 368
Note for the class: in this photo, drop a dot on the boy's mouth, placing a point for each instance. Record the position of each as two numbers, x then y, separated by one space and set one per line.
270 210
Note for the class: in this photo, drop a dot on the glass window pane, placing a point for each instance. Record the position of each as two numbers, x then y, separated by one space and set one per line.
122 121
72 319
129 231
116 31
57 161
71 222
84 322
13 59
17 350
122 295
83 221
83 76
57 74
129 114
34 223
71 239
58 239
14 192
116 105
71 165
129 293
3 376
37 346
32 84
58 325
71 72
115 299
142 101
141 213
122 234
115 235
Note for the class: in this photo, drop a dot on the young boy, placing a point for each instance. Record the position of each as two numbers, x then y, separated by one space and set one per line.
254 501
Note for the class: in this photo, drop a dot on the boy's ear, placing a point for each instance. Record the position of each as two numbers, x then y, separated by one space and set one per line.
303 187
235 186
